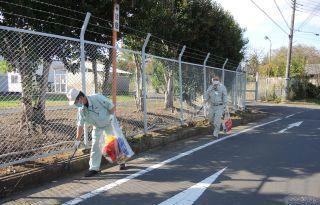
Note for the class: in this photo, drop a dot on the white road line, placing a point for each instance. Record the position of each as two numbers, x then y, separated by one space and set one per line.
156 166
291 115
294 114
297 124
189 196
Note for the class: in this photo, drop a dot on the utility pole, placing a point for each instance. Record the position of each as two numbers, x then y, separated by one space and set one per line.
289 54
114 50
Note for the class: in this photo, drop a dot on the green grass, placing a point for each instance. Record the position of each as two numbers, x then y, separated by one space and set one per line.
315 101
312 101
14 101
124 98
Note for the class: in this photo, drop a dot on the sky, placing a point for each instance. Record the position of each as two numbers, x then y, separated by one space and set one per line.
258 25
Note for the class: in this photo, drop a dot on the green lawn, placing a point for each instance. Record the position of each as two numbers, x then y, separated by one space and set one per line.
14 101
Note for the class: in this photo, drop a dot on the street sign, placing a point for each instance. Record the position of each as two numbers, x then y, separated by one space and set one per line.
116 18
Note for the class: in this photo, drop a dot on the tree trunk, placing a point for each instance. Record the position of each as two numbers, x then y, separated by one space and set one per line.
105 83
39 109
27 117
23 64
169 88
138 84
95 74
168 76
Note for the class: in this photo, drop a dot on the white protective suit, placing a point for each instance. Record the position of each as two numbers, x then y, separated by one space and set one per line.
216 99
96 114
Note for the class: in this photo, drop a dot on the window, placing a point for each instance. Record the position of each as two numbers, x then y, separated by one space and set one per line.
60 81
14 79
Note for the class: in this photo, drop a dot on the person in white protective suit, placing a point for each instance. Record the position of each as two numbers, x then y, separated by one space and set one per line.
216 100
95 110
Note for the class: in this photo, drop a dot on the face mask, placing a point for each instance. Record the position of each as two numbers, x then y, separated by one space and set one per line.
215 82
79 105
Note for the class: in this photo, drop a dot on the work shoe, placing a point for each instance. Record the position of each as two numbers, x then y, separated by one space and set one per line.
122 167
215 136
91 173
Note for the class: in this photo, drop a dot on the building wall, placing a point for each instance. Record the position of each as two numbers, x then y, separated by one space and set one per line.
3 83
315 80
75 81
14 82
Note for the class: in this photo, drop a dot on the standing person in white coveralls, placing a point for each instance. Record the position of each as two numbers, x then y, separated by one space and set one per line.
96 110
216 99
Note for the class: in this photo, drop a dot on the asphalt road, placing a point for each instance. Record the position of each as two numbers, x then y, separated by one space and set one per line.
275 161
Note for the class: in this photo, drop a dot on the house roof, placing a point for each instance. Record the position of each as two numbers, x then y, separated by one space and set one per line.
100 68
312 69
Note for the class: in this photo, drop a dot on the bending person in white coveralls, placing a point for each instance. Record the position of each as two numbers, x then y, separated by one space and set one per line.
95 110
216 99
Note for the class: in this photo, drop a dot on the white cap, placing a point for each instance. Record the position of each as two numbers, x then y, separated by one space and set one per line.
72 95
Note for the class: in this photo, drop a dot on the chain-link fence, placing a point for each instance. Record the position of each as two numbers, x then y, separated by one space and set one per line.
36 120
270 89
38 69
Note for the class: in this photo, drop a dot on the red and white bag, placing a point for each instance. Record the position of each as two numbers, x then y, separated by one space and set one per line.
227 122
115 148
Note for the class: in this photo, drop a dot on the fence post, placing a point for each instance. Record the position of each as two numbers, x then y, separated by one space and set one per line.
205 79
236 90
223 71
83 71
245 90
257 87
143 56
180 85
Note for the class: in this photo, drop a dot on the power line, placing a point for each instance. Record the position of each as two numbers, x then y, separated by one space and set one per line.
281 14
67 9
307 38
310 2
102 27
309 17
180 45
269 17
22 6
98 33
308 6
309 9
308 32
40 20
314 14
176 44
142 38
162 39
102 19
95 25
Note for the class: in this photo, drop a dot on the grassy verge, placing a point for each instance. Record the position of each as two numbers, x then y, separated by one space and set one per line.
14 101
308 101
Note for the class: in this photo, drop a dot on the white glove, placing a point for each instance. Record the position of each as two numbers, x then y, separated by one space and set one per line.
77 144
111 119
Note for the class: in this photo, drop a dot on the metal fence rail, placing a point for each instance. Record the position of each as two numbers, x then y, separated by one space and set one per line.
36 120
